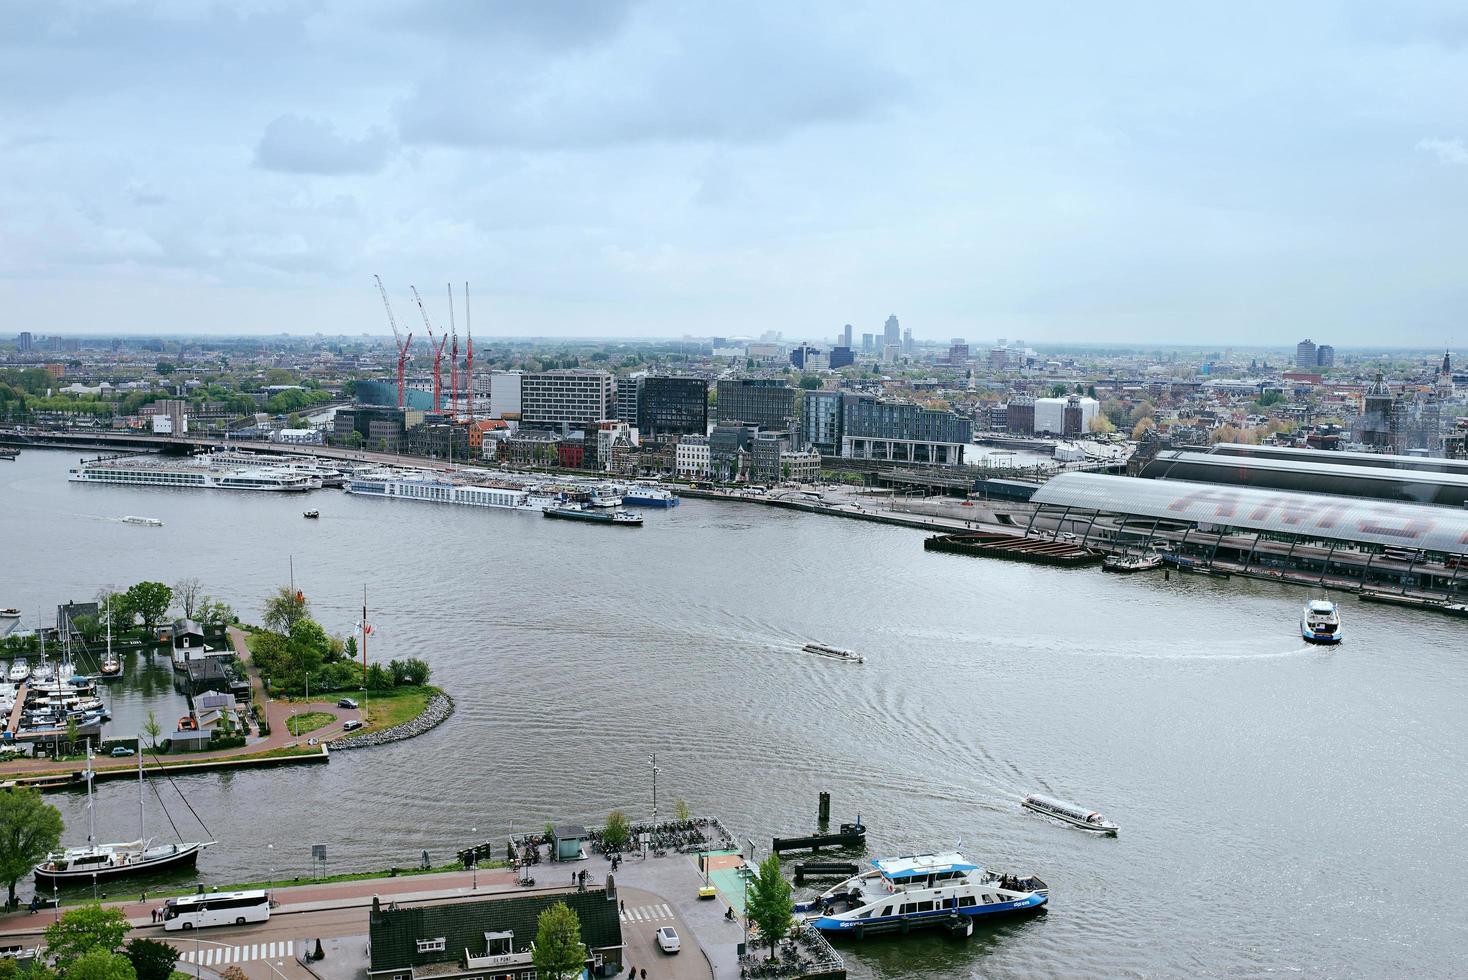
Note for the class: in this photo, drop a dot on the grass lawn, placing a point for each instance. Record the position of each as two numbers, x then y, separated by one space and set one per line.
384 709
309 722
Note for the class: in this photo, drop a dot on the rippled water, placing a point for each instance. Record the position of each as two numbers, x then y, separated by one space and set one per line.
1283 808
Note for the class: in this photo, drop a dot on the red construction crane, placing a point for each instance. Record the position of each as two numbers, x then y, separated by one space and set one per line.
397 337
469 342
437 349
453 352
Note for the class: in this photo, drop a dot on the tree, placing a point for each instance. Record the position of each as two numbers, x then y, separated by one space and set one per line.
559 954
85 929
151 959
809 382
415 672
770 905
1101 424
1142 428
152 729
617 831
213 613
283 609
163 368
73 734
379 679
150 600
188 592
681 808
30 828
101 965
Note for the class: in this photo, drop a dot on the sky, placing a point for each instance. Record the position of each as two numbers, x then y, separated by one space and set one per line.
1241 173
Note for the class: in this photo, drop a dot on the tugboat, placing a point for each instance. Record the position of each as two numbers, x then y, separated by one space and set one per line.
921 890
1320 622
1076 816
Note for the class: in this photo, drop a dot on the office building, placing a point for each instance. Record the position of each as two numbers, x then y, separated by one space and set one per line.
564 399
891 332
907 340
1019 417
504 394
820 421
673 407
25 342
891 354
1305 356
846 336
957 351
691 458
868 343
768 403
379 426
900 432
729 444
841 357
1325 356
629 398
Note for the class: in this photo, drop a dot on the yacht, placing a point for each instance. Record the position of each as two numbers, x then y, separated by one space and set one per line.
43 672
10 612
1076 816
1320 622
916 890
19 670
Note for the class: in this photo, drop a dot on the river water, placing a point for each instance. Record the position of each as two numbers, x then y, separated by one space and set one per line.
1283 808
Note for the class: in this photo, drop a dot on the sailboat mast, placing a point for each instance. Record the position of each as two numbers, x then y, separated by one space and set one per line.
364 641
141 834
91 811
109 627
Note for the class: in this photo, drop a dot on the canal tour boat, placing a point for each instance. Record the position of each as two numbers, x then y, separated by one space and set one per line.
919 890
834 653
1076 816
1320 622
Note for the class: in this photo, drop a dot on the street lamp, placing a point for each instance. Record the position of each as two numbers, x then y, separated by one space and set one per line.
198 962
474 857
271 885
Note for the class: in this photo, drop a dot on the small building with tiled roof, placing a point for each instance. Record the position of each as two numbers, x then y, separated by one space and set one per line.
492 939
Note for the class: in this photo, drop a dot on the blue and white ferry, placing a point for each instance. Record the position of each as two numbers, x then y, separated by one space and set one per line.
918 890
647 496
1320 622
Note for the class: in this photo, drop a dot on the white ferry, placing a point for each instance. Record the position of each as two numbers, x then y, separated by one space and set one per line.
643 495
144 521
917 890
432 487
145 474
607 496
1076 816
1320 622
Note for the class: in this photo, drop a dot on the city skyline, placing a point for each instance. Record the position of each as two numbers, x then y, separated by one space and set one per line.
641 170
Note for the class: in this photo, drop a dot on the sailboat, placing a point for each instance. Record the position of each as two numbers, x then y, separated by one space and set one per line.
110 666
103 862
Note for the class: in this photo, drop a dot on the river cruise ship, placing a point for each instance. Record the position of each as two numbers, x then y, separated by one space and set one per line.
919 890
435 488
154 473
1076 816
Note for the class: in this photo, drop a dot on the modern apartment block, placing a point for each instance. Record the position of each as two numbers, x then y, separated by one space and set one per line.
673 407
564 399
769 403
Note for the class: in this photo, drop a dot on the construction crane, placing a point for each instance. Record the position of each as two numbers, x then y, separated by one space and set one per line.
397 337
437 349
453 353
469 342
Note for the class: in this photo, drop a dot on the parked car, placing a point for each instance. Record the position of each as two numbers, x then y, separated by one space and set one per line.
352 725
120 750
668 940
346 703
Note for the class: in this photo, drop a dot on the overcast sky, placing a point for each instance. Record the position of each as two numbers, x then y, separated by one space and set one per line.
1245 173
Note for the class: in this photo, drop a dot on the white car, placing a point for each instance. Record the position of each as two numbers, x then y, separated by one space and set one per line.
668 940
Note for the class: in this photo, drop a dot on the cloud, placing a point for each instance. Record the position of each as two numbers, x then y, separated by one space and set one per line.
1452 152
563 23
300 145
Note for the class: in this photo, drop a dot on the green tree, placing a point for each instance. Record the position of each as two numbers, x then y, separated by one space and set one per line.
85 929
30 828
559 954
150 600
681 807
617 831
379 679
151 959
810 382
164 368
101 965
73 734
152 729
283 609
770 905
415 671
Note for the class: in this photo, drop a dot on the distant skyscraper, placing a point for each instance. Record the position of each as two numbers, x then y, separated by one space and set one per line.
846 336
907 341
891 332
1305 356
1325 355
868 341
25 341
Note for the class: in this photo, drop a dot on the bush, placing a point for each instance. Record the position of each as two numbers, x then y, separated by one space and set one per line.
262 720
151 959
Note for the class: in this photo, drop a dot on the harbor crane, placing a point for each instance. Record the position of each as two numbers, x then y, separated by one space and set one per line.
453 354
402 345
436 348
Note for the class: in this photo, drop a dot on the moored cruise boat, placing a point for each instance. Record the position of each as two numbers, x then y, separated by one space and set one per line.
19 670
642 495
1320 622
606 497
133 472
429 486
918 890
1076 816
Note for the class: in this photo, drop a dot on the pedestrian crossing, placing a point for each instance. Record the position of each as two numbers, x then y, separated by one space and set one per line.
225 955
646 913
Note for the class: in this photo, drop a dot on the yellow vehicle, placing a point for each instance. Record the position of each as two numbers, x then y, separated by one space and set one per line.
707 891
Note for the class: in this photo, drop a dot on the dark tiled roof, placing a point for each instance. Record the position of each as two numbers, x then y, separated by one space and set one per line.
570 830
395 933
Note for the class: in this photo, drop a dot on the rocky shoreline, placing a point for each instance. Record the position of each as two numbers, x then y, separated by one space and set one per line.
435 713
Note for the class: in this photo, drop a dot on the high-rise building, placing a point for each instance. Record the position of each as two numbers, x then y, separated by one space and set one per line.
504 394
673 407
765 402
820 422
629 399
1325 356
868 342
891 332
957 351
25 341
846 336
1305 359
907 340
564 399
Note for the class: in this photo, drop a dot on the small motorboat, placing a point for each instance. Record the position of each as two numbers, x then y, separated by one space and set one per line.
1076 816
144 521
835 653
111 667
1126 564
1320 622
311 514
10 612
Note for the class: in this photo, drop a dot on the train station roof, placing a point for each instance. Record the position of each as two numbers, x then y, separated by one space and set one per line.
1318 516
1332 457
1310 476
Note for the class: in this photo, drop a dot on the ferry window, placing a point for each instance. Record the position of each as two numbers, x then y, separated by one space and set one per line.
966 901
906 908
925 906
